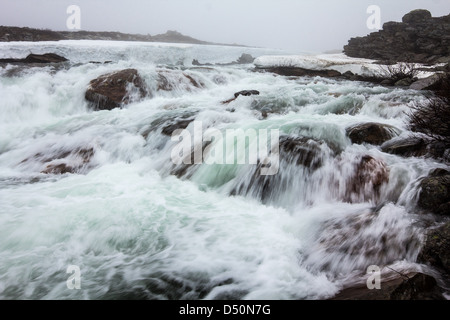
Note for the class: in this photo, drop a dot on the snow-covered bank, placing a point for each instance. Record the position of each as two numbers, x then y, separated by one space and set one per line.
338 62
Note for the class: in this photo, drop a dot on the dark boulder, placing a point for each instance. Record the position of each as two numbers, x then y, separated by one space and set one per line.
246 93
426 83
245 58
302 72
405 82
436 249
413 286
37 58
112 90
372 133
406 147
44 58
434 192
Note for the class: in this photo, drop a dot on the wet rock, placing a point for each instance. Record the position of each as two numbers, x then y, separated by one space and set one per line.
115 89
245 93
301 72
63 161
372 133
435 192
169 80
37 58
426 83
179 124
58 169
412 286
187 168
436 249
301 152
170 122
405 82
365 184
409 147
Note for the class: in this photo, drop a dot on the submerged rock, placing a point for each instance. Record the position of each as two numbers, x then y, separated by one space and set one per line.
169 80
436 249
244 93
115 89
372 133
178 124
412 286
303 153
168 123
64 161
435 192
365 184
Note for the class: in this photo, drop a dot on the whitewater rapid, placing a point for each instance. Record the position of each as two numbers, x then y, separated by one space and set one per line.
137 231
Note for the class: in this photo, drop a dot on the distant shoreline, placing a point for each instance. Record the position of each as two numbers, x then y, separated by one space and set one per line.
26 34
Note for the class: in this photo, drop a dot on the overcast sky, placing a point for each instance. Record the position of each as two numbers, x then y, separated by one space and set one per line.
297 25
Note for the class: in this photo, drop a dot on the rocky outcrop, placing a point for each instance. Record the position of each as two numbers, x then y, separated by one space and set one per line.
435 192
418 38
436 250
37 58
412 286
115 89
372 133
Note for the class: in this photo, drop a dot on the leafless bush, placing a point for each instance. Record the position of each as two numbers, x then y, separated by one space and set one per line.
399 71
432 118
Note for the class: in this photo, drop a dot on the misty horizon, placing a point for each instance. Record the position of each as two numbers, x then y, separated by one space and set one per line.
304 26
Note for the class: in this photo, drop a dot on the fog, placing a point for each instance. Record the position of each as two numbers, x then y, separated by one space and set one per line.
294 25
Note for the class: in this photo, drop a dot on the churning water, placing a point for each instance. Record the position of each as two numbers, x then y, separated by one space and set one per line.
140 227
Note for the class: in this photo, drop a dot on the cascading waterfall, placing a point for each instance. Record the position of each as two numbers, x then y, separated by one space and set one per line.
98 189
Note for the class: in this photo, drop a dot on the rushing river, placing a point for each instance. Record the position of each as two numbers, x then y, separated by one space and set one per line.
139 227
